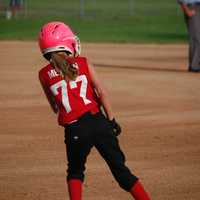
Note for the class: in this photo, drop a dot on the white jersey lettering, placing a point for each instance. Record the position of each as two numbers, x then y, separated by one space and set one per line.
73 84
52 73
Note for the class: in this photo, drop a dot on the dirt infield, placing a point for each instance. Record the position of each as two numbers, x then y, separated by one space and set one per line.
155 99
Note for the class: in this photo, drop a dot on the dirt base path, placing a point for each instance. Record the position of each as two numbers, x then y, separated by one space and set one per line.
155 99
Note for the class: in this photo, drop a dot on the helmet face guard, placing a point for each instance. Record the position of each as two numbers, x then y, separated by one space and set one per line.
78 46
57 36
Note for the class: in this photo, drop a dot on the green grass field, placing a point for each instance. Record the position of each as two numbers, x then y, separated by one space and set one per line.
143 21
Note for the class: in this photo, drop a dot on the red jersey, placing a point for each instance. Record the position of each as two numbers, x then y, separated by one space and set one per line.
73 98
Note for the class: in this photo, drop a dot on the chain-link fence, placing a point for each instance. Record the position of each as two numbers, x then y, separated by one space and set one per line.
96 20
90 8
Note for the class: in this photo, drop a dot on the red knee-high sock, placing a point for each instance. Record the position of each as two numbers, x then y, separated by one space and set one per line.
75 189
138 192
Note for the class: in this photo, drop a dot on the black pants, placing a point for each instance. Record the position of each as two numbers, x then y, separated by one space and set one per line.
95 130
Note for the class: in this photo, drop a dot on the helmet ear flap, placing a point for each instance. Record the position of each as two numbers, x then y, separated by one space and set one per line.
47 56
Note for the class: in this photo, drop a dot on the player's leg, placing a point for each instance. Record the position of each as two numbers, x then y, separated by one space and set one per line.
75 189
138 191
108 146
78 145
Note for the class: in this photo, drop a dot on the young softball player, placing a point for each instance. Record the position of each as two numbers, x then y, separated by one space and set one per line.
77 97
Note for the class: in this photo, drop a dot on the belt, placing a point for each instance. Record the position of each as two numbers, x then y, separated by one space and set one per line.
86 115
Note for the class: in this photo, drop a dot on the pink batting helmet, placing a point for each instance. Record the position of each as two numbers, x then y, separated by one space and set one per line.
57 36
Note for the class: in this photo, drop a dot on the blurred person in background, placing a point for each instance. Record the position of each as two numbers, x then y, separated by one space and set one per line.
14 7
191 10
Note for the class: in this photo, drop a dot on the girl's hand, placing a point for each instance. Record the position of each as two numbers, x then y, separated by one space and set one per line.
115 126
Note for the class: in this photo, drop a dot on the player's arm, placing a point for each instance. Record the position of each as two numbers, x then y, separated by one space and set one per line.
104 100
101 93
48 94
